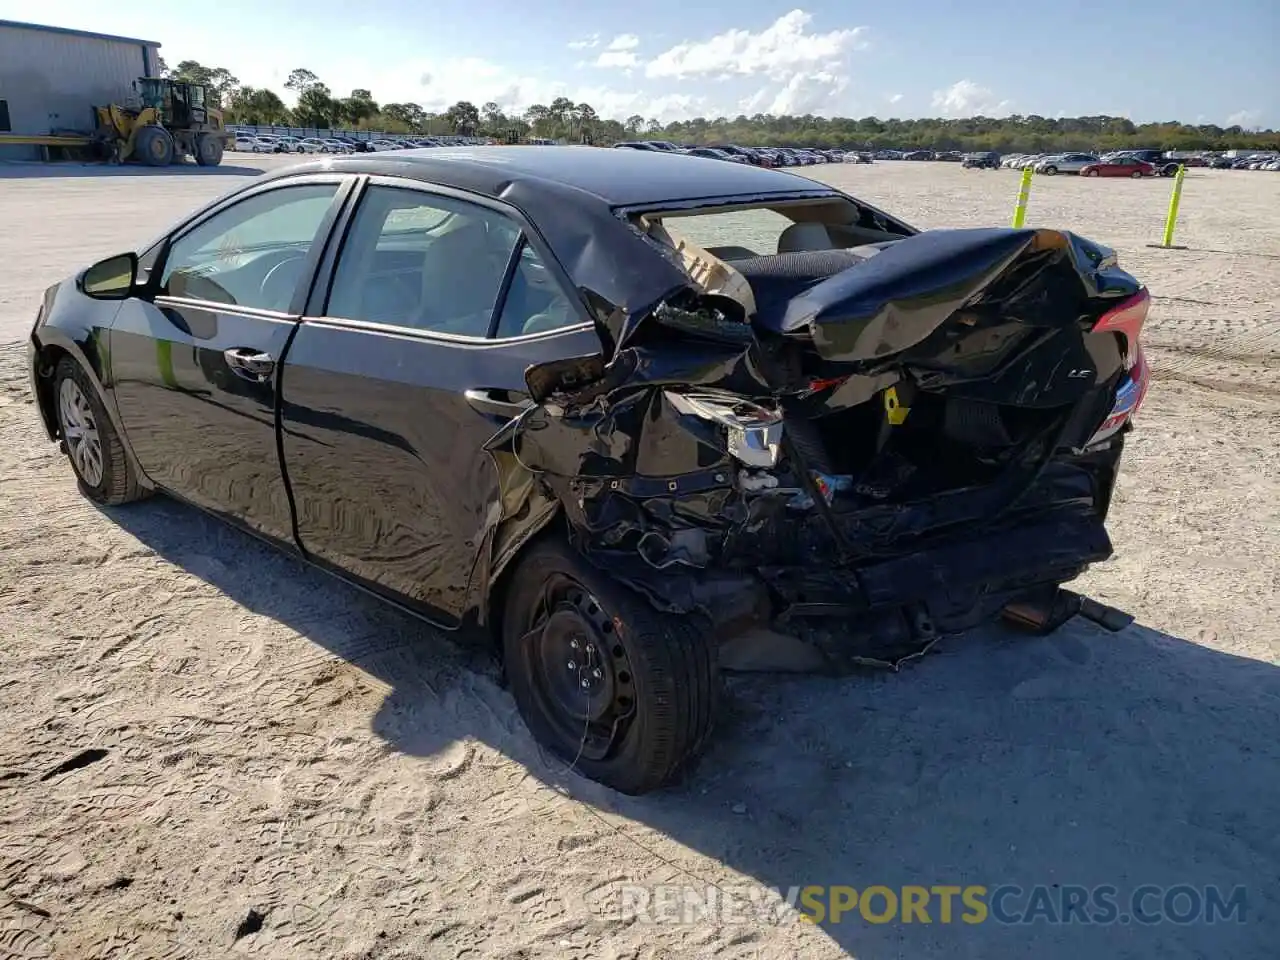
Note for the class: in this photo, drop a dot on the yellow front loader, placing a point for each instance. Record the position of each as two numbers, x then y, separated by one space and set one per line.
171 122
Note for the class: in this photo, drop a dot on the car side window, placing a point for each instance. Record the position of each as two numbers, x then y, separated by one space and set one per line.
420 260
535 300
253 253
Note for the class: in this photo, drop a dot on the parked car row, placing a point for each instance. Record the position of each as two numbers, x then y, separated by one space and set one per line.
1266 161
753 156
1124 163
270 143
247 142
1134 163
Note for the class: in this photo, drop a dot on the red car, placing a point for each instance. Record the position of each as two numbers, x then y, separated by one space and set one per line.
1121 167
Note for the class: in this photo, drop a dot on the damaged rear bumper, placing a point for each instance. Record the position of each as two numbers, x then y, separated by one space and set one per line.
896 598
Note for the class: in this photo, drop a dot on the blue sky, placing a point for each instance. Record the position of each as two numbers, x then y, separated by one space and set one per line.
1206 62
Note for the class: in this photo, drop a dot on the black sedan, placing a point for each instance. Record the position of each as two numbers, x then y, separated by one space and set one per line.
536 392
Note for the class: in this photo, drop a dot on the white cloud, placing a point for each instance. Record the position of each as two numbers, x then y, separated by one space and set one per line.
1244 118
895 97
479 81
808 93
586 43
964 98
778 51
624 41
617 59
816 92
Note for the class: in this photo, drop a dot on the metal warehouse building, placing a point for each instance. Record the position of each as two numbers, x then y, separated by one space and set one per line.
51 78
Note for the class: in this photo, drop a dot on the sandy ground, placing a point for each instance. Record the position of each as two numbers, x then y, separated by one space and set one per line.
273 745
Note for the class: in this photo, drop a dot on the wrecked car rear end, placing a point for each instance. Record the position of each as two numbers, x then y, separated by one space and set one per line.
862 447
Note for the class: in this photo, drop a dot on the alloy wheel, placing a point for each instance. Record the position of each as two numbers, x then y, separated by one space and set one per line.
80 431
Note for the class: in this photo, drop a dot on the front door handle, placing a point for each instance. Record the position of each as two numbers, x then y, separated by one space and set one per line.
250 364
498 403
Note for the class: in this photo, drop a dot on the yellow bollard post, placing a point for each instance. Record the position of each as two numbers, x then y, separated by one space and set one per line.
1174 199
1171 220
1024 194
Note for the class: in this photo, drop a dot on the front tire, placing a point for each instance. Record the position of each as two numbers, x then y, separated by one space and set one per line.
625 694
1050 171
154 146
89 437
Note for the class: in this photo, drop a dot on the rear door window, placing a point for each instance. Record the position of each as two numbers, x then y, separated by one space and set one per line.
439 264
419 260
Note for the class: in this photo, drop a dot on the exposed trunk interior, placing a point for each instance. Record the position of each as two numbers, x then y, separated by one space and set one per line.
944 443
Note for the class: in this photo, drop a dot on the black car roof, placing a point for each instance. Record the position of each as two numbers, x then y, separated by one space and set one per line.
621 178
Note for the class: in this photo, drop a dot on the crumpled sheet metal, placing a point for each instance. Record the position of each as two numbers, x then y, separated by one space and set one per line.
888 305
896 299
620 274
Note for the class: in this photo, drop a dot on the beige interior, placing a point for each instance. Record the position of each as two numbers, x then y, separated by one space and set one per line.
817 225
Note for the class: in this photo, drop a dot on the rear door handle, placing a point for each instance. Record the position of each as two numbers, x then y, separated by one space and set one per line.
498 403
249 364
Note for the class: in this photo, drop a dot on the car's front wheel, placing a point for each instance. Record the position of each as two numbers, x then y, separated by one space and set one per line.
621 692
92 445
1050 171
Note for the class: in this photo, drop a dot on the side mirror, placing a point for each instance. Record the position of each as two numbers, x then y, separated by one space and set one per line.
111 279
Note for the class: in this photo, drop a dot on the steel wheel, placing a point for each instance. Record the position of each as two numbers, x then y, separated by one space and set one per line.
80 430
619 691
582 675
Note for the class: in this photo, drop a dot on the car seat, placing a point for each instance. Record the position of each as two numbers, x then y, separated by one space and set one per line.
461 275
801 237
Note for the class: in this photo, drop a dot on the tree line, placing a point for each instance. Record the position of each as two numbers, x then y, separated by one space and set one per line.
562 119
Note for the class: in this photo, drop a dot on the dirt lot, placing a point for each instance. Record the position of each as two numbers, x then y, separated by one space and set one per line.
286 769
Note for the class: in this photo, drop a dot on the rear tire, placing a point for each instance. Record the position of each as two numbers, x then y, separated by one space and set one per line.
154 146
95 450
1136 175
624 693
208 150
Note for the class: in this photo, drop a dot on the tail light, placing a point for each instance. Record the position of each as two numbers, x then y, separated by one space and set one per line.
1126 321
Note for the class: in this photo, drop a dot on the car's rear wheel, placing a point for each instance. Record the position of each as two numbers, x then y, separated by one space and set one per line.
623 693
1136 175
92 445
